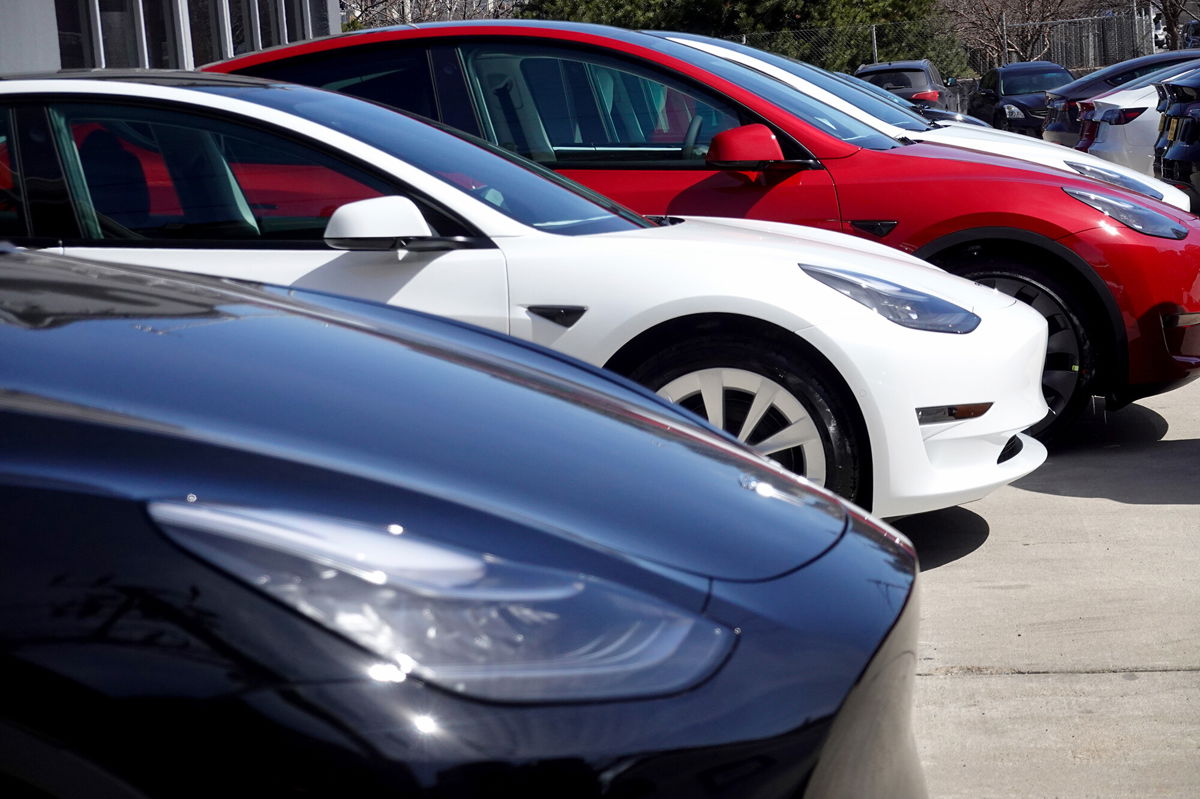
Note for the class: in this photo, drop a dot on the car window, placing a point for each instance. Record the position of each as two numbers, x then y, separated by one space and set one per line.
567 108
989 81
152 173
405 75
515 186
1161 74
892 79
1030 82
12 214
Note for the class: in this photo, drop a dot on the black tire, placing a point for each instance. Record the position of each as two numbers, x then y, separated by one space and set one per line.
1070 369
830 450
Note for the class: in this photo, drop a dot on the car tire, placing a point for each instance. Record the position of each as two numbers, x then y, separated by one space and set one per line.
1070 368
767 398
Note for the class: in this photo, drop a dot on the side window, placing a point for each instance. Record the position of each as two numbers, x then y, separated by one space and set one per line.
420 78
12 216
399 77
572 109
990 80
143 173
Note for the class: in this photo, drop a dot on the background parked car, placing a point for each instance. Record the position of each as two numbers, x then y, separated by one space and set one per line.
1177 150
184 170
242 527
1062 119
1122 125
1013 96
1110 270
930 112
916 81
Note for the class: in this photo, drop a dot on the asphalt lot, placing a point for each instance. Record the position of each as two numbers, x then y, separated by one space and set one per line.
1060 637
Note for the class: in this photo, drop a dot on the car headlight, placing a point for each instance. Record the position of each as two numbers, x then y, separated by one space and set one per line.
904 306
1012 112
470 623
1130 214
1116 178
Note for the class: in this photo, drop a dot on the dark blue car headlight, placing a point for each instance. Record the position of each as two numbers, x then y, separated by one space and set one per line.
904 306
468 622
1130 214
1115 178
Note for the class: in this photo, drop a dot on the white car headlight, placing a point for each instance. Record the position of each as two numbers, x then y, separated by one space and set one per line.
1131 215
1115 178
904 306
467 622
1012 112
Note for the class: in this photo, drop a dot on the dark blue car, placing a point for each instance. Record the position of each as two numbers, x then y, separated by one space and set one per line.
1013 96
260 542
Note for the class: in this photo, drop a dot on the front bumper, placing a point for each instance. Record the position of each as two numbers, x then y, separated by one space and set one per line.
921 467
1155 284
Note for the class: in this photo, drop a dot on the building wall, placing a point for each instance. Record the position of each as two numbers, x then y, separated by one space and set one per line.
28 36
147 33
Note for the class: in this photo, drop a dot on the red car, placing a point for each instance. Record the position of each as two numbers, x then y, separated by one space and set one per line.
668 129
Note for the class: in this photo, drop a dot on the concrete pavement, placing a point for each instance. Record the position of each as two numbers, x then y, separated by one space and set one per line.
1060 633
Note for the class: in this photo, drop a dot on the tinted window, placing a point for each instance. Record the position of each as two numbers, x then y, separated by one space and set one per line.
399 77
893 79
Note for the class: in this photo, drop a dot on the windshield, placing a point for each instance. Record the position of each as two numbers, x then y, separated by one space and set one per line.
1031 82
881 109
821 116
518 188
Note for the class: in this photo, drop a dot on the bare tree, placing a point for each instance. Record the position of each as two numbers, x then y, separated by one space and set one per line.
1012 30
375 13
1171 11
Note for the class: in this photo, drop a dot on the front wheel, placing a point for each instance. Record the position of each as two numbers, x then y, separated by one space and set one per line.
781 406
1069 371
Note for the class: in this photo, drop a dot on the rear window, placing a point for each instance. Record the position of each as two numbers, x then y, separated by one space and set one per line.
893 79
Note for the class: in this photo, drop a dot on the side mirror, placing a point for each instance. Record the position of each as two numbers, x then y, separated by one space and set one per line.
750 148
380 223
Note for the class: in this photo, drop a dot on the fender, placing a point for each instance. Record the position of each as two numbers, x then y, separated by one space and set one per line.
1116 340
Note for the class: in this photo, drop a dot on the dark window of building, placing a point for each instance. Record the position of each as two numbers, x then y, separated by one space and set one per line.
74 34
118 28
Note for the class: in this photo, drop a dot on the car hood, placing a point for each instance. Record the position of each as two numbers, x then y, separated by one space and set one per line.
1038 151
990 164
1030 100
418 416
751 242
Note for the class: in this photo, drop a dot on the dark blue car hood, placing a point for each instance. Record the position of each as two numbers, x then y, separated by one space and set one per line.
412 405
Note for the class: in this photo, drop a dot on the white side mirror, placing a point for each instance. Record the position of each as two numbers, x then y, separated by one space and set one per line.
380 223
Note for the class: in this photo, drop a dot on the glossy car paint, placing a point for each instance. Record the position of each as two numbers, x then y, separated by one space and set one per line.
132 668
634 282
1131 287
970 137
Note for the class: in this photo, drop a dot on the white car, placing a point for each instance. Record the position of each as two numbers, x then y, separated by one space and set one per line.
870 371
898 124
1122 125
